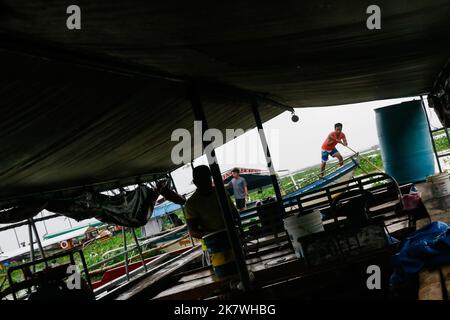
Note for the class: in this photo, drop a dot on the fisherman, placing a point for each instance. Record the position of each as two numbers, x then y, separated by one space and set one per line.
240 190
329 147
203 214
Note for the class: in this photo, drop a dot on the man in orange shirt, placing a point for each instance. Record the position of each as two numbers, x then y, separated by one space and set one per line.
329 146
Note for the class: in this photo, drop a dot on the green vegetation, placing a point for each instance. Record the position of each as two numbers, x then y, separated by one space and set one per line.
301 178
441 143
368 162
167 223
93 253
367 165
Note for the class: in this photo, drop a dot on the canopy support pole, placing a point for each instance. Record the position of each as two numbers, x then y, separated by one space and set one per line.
17 238
43 222
41 249
262 137
182 206
23 223
30 234
125 251
436 154
138 246
233 237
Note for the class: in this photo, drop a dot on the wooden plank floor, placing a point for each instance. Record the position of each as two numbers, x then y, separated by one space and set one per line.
137 289
275 262
203 283
271 263
434 283
430 286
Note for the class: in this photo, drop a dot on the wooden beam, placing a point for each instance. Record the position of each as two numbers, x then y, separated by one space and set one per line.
430 287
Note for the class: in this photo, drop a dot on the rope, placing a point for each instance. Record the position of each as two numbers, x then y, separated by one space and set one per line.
370 162
395 181
315 176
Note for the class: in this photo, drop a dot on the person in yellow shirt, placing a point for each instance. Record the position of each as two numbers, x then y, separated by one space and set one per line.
203 214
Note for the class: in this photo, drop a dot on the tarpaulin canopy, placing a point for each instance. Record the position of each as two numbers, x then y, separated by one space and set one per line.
439 97
312 53
64 125
85 106
130 208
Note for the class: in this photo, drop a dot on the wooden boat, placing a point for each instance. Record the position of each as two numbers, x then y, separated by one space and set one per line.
333 175
178 243
119 271
169 245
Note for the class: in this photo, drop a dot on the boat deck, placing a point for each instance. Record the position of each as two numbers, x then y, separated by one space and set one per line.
278 260
278 274
146 284
434 283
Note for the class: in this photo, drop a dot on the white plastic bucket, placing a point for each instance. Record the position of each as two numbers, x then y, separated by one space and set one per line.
298 227
441 184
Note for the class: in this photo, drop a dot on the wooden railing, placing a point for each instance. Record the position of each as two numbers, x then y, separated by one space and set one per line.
266 220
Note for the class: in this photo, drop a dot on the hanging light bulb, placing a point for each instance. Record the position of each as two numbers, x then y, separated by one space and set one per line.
294 117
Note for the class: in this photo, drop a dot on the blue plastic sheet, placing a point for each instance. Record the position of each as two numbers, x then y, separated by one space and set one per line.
426 247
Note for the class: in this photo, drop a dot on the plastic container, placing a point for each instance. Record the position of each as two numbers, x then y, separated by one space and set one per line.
441 184
405 143
300 226
221 255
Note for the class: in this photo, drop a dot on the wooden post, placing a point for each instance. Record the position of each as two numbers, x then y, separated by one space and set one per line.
233 237
265 146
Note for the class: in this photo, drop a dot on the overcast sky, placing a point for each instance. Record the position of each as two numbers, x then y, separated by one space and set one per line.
297 145
293 146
